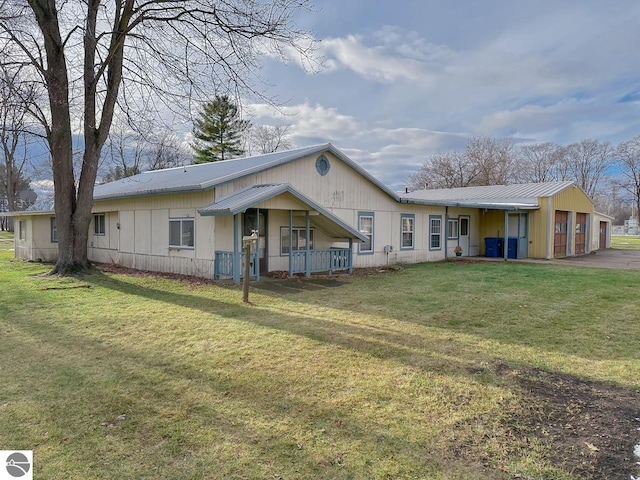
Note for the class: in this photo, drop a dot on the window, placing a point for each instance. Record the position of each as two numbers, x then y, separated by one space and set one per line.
54 230
22 230
99 224
365 226
452 228
299 239
407 225
435 231
181 233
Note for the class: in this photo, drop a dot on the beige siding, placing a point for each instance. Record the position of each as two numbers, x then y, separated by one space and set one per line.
37 245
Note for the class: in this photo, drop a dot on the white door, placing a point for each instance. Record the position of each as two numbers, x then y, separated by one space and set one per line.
464 241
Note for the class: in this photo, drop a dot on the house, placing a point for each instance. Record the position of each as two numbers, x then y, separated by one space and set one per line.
313 210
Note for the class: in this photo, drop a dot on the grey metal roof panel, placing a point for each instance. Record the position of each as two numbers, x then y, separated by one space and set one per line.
527 193
242 199
193 178
251 196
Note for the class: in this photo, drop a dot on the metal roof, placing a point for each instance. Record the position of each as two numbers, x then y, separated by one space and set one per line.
516 196
251 196
194 178
28 213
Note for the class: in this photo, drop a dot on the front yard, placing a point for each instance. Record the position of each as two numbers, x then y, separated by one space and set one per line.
437 371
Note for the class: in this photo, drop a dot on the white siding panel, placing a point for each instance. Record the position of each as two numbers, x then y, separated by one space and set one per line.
142 231
127 232
160 232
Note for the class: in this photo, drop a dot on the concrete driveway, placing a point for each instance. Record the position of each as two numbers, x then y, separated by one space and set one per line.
620 259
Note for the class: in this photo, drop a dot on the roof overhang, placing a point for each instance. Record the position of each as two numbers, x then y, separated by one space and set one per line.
250 197
489 204
27 213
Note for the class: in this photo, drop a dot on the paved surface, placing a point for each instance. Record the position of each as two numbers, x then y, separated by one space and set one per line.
619 259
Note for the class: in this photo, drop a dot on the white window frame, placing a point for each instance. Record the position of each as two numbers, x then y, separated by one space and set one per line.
435 220
99 224
182 222
300 236
452 232
22 230
361 249
411 231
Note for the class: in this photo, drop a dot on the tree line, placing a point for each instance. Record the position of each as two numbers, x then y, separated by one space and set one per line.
609 174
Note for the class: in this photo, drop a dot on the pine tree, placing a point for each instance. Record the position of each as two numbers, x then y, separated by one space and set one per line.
218 131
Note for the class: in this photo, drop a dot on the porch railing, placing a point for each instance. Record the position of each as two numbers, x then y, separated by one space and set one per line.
319 261
224 265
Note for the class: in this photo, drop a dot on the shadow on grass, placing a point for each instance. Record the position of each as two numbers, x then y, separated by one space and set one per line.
90 381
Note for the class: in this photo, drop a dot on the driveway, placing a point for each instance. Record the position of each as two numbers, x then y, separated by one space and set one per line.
620 259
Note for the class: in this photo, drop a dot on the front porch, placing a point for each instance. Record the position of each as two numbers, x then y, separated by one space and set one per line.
231 264
292 234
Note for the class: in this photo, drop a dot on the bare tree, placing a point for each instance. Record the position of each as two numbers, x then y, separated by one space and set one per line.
165 151
16 97
492 158
587 162
484 161
269 138
444 170
94 55
540 162
628 164
123 152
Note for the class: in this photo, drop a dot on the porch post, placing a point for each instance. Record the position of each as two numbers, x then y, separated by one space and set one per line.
258 246
307 253
446 232
350 255
291 243
505 244
236 253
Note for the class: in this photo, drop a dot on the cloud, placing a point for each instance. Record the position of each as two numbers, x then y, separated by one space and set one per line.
308 121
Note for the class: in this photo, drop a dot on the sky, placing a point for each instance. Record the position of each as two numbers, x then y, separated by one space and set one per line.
402 80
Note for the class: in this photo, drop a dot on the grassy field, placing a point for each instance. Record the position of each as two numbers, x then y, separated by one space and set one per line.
625 242
410 374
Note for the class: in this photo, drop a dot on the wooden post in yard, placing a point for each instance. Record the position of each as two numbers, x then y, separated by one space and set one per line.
247 261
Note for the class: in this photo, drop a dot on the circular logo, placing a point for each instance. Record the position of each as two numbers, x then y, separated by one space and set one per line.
17 465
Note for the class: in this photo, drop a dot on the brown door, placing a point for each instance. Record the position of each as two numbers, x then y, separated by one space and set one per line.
560 237
603 235
581 233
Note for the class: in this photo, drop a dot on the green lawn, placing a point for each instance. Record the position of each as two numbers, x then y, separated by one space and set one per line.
625 242
392 376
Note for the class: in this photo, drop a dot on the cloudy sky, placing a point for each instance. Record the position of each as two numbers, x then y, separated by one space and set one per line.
405 79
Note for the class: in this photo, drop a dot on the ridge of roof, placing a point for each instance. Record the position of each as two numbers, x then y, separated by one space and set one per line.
200 177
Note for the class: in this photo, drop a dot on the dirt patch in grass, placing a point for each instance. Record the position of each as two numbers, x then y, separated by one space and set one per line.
590 428
186 279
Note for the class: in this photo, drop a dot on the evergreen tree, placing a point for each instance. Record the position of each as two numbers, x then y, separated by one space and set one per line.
218 131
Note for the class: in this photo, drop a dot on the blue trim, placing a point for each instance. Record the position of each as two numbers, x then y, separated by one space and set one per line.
322 165
435 217
373 231
412 217
290 238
